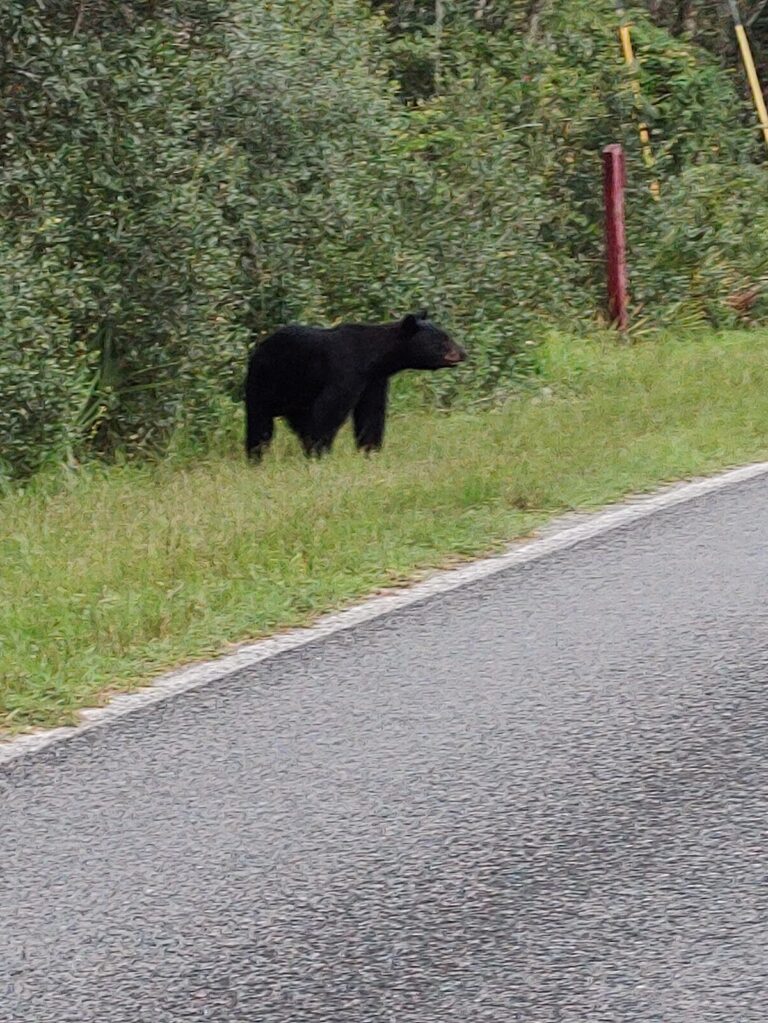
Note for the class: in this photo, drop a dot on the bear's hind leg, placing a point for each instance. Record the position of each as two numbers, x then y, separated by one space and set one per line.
329 412
260 428
369 415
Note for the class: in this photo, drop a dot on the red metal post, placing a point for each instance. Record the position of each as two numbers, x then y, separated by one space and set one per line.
614 181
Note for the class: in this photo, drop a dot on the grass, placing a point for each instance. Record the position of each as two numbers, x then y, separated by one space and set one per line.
108 576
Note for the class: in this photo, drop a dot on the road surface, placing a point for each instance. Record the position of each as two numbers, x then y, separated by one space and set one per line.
539 798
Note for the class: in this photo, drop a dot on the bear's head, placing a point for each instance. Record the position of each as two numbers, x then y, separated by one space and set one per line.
426 346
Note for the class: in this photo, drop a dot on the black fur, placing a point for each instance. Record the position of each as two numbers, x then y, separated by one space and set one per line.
314 378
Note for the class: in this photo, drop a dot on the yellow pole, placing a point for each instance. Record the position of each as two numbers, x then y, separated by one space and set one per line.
629 58
749 66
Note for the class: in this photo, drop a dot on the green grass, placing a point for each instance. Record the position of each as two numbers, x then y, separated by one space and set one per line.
108 576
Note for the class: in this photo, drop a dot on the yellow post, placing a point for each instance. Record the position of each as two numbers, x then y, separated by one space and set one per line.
749 66
629 57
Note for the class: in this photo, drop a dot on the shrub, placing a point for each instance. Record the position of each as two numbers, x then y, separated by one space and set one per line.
181 175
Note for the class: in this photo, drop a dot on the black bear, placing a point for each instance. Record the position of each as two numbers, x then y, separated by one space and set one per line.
316 377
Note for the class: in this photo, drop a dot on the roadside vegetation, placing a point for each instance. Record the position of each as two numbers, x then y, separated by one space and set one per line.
110 574
179 174
178 177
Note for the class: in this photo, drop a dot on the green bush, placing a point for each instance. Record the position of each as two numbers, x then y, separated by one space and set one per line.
181 175
702 257
111 194
46 378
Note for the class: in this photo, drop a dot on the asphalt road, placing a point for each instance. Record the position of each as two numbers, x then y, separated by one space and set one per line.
542 798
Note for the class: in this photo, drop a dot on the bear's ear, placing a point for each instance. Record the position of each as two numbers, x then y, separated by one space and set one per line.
409 324
422 314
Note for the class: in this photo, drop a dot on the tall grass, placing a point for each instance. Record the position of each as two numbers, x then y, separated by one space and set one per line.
109 575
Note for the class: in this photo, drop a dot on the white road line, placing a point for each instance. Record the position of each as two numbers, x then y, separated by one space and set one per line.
558 535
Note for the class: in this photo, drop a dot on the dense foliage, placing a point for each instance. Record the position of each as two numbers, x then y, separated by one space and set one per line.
176 175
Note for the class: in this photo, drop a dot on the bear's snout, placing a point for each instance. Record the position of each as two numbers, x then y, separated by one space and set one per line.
455 355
